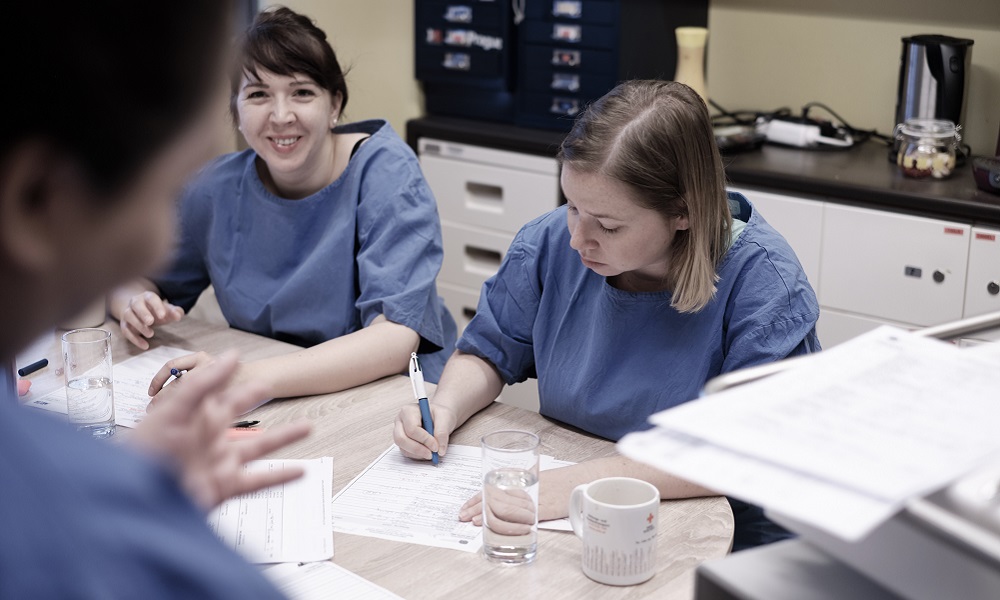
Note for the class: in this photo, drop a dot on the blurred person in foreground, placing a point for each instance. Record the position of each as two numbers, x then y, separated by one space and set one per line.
113 110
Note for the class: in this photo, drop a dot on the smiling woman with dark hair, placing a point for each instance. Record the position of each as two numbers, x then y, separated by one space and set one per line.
322 235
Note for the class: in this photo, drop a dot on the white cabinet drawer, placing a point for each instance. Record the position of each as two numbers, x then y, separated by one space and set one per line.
461 302
471 254
982 293
491 196
891 266
799 221
835 327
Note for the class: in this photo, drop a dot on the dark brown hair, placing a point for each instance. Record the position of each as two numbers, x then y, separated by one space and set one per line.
109 82
656 137
285 43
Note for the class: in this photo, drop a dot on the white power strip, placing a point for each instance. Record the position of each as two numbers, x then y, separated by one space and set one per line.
801 135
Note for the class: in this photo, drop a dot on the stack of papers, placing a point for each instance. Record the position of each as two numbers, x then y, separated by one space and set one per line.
844 438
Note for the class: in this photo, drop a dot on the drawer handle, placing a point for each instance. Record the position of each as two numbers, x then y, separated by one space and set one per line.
481 260
993 288
938 277
483 196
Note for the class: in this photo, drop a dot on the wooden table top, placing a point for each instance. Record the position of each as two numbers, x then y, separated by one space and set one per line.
355 427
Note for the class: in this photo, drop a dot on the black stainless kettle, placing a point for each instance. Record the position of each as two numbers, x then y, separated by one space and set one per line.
933 79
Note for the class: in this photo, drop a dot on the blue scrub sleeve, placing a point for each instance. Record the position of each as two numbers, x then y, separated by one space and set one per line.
399 248
755 336
501 331
186 276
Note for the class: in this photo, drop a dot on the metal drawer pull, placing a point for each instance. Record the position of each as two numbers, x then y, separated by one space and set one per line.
482 260
483 196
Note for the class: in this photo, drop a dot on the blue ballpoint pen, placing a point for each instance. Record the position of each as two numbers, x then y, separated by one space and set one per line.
417 379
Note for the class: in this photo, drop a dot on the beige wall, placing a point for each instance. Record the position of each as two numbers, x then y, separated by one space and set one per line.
765 54
762 55
373 39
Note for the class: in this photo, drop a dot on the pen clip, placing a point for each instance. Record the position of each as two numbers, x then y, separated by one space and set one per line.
417 377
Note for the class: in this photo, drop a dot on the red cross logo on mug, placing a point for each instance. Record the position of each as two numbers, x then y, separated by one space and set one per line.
649 519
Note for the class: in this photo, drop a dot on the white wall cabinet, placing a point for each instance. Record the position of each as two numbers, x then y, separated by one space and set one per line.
484 196
892 266
872 267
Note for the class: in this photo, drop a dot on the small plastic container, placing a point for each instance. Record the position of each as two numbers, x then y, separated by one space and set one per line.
927 148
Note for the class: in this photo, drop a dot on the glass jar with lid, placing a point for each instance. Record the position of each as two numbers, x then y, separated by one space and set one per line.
927 147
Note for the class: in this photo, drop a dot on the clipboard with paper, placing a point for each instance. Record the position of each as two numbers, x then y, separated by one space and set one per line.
881 451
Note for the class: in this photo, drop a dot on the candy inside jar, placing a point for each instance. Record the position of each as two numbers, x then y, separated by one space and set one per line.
927 147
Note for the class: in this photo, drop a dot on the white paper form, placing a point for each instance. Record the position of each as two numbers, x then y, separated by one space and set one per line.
844 438
323 580
396 498
131 388
285 523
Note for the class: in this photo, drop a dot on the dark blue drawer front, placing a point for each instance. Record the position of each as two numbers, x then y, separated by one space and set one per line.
589 11
569 34
457 64
438 13
558 82
567 58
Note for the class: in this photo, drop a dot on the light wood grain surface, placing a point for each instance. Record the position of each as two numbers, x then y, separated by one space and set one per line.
355 426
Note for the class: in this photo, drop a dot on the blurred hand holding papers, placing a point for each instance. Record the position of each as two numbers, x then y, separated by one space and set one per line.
844 438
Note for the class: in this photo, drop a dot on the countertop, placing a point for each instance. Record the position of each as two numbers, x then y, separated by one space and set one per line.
861 176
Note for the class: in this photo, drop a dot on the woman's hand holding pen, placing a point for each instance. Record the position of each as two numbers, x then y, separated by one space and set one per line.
144 312
175 368
190 433
413 441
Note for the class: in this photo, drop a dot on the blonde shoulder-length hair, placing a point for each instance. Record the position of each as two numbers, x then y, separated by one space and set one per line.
656 137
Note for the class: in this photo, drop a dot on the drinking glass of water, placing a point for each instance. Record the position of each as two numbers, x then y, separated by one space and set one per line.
89 391
510 496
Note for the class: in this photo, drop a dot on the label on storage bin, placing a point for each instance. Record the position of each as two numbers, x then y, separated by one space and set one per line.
567 8
565 58
566 33
457 61
469 38
458 14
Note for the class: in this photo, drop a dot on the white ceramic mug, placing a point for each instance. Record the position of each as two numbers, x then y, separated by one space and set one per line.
616 518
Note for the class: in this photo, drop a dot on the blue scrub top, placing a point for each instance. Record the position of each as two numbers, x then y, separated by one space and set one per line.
88 519
310 270
607 359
